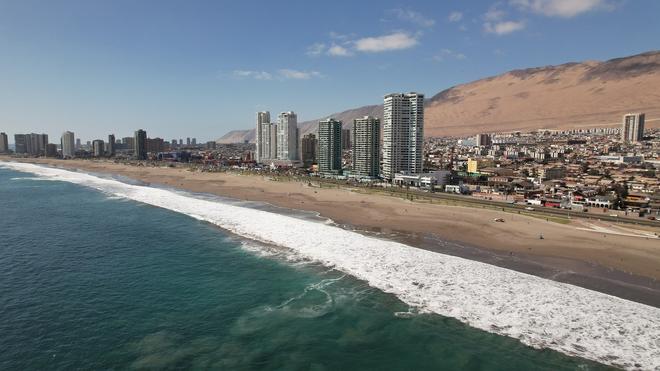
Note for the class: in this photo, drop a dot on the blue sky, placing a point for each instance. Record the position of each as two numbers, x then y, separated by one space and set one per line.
202 68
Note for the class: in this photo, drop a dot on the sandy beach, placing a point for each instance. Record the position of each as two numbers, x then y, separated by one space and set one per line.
609 258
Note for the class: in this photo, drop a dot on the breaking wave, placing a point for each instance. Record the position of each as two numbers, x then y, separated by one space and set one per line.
539 312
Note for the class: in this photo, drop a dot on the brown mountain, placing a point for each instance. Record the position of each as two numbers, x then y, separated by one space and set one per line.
571 95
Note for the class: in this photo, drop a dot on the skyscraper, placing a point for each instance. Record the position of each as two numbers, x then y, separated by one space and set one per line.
483 140
263 120
140 144
99 148
110 148
346 139
4 143
287 136
403 134
78 145
329 152
633 127
68 146
308 146
267 142
366 147
20 143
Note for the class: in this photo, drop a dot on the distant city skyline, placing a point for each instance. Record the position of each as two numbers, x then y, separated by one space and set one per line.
203 68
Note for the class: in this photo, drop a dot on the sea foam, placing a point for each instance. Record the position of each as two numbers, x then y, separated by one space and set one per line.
539 312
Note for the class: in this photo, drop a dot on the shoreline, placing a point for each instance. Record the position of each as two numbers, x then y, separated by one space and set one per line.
619 265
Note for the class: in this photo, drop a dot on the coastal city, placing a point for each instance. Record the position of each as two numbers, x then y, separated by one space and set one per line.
609 170
338 185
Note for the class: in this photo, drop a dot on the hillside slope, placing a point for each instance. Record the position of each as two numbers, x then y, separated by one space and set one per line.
567 96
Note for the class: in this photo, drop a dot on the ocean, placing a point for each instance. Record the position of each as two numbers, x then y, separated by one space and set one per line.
96 273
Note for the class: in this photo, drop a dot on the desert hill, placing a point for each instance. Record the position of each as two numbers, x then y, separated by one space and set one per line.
567 96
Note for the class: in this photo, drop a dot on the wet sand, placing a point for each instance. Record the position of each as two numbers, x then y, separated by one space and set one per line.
621 265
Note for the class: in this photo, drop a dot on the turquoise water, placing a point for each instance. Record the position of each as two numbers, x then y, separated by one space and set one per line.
92 282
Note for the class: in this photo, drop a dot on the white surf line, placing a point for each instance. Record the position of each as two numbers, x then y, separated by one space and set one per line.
539 312
605 230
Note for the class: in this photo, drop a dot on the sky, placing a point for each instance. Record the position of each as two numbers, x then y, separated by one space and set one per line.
196 68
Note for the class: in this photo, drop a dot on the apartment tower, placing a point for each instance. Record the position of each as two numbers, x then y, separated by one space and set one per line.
329 151
287 136
403 134
366 147
633 127
68 144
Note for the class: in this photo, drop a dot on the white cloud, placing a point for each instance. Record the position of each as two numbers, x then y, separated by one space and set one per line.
339 51
413 17
494 14
448 53
560 8
394 41
338 36
315 49
257 75
286 73
455 17
504 27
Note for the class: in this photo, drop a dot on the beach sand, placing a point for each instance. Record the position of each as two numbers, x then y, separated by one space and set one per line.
623 264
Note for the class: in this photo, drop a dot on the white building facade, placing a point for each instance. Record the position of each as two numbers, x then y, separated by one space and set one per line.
403 134
68 143
287 136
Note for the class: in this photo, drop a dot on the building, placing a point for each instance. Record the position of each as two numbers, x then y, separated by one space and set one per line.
346 139
632 129
51 150
68 147
110 147
194 142
436 179
128 143
31 144
155 145
474 165
36 144
174 144
211 145
140 145
287 136
265 140
552 173
188 141
4 143
78 145
329 151
98 148
308 146
403 134
366 147
483 140
20 143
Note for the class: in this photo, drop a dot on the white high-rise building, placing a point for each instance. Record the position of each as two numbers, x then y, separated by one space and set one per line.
366 147
68 143
261 137
268 150
287 136
633 127
403 134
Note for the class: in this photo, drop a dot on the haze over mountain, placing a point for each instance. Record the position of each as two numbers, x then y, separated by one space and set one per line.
567 96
